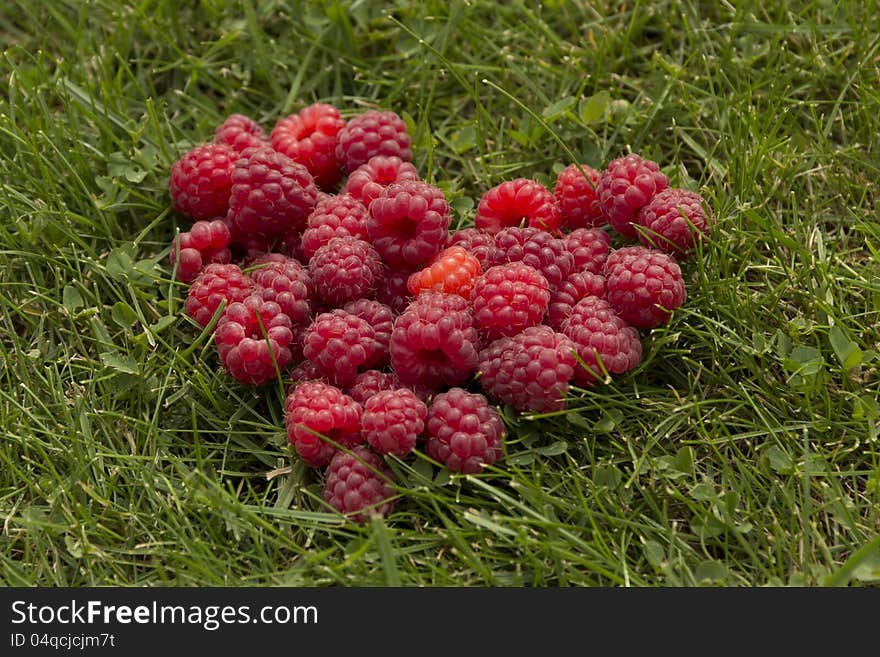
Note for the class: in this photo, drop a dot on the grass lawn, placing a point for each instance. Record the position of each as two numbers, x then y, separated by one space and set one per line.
742 452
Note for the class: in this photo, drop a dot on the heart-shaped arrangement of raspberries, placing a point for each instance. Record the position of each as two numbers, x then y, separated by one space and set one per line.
319 258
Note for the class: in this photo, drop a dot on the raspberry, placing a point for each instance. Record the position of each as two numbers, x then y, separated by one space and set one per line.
605 343
434 341
307 371
334 216
574 288
453 270
345 268
240 132
367 181
359 485
589 247
381 318
369 382
643 285
409 223
463 431
206 242
626 186
316 415
201 181
514 201
217 283
271 194
478 243
508 298
287 283
253 338
372 133
341 345
393 420
530 371
537 248
393 290
675 220
576 199
310 137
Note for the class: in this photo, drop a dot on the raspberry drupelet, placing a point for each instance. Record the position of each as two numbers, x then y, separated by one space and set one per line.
206 242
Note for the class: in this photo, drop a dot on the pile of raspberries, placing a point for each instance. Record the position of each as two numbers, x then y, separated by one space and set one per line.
318 257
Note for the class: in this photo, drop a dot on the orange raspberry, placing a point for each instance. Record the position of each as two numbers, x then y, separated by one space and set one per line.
453 271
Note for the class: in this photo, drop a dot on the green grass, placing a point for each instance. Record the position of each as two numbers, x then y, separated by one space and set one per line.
743 452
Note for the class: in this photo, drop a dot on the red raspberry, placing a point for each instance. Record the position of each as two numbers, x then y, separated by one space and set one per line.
240 132
381 318
206 242
530 371
576 200
253 339
393 420
463 431
310 137
434 342
643 285
201 181
590 248
345 268
289 284
508 298
369 382
317 415
478 243
307 371
373 133
271 194
514 201
626 186
393 289
574 288
605 343
367 181
409 223
675 220
453 270
334 216
341 345
359 485
537 248
216 284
